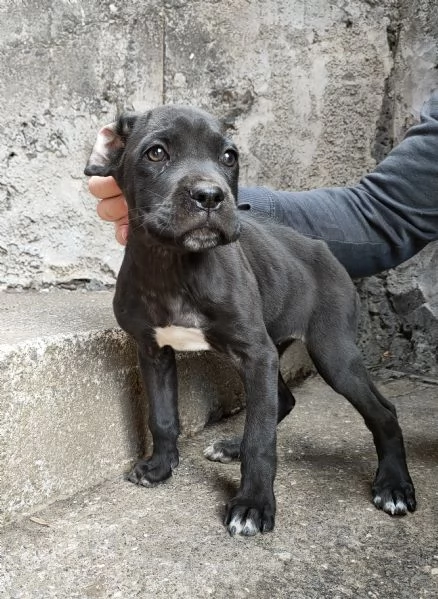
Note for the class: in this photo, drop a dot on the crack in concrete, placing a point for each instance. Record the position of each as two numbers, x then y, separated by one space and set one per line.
384 136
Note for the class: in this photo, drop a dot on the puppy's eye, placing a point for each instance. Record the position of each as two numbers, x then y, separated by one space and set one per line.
157 154
229 157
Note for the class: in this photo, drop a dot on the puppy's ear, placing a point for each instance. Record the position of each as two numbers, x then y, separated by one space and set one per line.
109 145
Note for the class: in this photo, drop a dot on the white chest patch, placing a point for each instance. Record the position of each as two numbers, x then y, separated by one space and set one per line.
181 338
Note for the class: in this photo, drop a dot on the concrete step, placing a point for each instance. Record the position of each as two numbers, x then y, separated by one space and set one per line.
72 411
120 541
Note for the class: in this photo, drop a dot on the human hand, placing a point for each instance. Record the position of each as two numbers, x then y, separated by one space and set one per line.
112 205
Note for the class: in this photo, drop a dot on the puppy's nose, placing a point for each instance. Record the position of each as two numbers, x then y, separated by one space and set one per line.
207 196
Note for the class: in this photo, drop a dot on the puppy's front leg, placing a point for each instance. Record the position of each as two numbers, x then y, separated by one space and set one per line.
158 371
253 508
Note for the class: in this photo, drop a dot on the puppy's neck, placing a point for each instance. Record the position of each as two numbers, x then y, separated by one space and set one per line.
153 256
162 268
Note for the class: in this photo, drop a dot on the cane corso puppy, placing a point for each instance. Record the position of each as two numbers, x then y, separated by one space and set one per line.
199 274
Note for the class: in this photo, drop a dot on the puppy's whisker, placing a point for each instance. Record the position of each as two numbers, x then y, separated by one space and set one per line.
161 197
150 191
139 226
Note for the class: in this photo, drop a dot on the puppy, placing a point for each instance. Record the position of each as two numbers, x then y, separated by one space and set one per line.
198 274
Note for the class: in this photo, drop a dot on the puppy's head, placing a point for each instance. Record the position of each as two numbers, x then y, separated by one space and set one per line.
178 173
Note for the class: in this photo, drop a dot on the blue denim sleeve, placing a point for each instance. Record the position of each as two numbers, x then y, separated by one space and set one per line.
381 222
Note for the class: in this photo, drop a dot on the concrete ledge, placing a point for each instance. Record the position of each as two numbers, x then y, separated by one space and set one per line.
72 412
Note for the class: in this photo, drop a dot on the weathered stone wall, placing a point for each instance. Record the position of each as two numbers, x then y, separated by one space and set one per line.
399 327
317 92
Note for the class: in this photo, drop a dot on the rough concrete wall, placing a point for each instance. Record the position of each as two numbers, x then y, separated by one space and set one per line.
308 75
399 327
66 68
301 81
317 91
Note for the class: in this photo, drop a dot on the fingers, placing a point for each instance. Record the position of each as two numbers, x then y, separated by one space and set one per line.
112 205
122 230
112 209
115 210
103 187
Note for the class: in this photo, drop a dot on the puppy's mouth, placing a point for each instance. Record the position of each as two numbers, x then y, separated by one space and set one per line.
203 238
180 226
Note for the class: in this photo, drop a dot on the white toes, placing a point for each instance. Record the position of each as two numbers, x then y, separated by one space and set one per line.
398 507
216 455
401 507
246 527
235 527
389 507
377 501
250 529
144 482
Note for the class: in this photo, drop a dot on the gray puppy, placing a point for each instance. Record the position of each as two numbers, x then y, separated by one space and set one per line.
200 274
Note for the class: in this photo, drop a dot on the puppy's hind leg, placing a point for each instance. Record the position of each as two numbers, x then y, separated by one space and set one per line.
226 450
286 401
339 362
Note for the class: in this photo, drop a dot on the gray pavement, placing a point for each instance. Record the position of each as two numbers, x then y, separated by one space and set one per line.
122 541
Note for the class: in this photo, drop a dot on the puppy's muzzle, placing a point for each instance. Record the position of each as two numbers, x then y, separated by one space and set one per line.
207 196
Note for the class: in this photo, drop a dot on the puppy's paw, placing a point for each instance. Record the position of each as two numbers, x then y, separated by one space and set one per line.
247 517
224 451
149 472
395 497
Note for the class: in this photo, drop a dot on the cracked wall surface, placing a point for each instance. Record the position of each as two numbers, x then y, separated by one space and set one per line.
316 92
